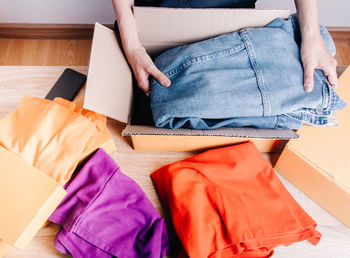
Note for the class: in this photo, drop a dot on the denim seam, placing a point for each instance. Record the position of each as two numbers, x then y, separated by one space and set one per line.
203 58
310 119
327 98
278 121
257 71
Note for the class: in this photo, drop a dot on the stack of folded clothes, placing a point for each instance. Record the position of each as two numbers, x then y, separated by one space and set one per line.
252 77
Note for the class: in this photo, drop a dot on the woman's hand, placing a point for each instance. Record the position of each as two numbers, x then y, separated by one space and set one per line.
143 67
141 63
315 55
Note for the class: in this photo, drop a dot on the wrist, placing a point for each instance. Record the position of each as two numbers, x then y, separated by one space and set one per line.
311 34
309 29
132 47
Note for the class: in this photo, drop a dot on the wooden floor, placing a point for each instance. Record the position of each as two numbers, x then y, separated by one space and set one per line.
46 52
77 52
343 51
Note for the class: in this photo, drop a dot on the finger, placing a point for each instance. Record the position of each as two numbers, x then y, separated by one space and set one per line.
309 77
142 81
159 76
331 74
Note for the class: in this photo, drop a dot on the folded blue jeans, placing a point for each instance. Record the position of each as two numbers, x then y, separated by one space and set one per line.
251 77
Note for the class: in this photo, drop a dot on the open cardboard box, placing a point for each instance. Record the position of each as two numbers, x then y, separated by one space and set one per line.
318 163
112 91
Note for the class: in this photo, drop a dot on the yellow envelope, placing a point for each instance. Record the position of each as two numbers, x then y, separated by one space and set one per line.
27 199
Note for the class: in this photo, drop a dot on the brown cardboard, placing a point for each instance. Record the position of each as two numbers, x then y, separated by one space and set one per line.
27 199
109 84
160 139
319 162
182 26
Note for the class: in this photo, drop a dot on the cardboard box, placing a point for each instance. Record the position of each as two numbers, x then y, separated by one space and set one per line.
27 199
318 163
112 91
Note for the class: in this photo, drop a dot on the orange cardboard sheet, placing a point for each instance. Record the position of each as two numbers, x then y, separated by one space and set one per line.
318 162
27 199
195 143
5 248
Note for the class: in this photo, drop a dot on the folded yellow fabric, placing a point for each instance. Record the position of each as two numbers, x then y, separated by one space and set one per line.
27 199
52 136
103 140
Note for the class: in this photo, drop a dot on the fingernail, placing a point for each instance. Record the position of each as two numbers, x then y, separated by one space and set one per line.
166 83
308 88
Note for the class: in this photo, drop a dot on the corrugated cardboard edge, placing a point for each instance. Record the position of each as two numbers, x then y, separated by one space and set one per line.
254 133
316 183
43 214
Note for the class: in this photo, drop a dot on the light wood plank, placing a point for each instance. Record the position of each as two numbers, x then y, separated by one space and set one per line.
50 52
343 52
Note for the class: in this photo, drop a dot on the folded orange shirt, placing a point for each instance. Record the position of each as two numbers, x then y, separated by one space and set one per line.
229 202
52 136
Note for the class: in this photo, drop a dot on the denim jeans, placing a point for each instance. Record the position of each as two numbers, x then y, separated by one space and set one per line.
252 77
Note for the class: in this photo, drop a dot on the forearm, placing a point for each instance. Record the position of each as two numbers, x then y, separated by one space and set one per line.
126 25
308 18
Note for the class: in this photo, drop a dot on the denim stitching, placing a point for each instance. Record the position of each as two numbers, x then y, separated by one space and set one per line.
326 100
278 122
203 58
311 119
258 74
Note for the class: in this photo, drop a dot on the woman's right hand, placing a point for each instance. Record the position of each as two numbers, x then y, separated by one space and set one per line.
143 66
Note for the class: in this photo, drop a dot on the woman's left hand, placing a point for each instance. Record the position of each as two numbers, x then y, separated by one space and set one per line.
315 55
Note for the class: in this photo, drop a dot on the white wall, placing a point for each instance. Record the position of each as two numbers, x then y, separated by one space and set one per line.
56 11
334 13
331 12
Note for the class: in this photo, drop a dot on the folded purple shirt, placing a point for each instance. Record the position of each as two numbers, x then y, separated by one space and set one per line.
105 214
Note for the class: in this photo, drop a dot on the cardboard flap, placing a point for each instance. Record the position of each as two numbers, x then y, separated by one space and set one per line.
175 26
327 147
109 82
28 197
244 132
